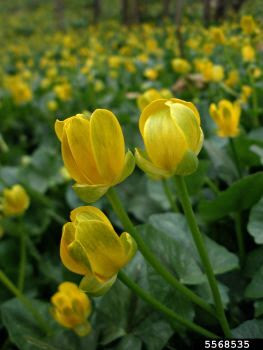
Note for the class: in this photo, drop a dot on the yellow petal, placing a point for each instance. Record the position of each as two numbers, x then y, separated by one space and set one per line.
148 111
129 245
70 163
189 105
102 246
129 164
164 141
185 118
68 236
59 126
78 135
107 144
89 213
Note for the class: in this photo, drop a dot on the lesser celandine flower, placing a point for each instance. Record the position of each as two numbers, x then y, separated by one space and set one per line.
218 35
150 95
172 136
15 200
226 115
93 151
90 247
181 65
71 307
248 53
248 24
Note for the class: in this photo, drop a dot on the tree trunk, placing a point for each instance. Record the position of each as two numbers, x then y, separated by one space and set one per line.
136 11
96 10
207 12
220 10
178 20
59 9
166 8
125 12
237 4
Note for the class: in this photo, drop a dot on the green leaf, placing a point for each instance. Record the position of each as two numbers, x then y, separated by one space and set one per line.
251 329
135 319
195 181
170 239
254 262
205 292
239 196
129 342
255 222
255 288
26 335
258 306
223 164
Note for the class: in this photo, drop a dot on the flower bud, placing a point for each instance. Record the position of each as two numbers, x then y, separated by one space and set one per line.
90 247
226 115
71 307
172 136
93 151
15 200
151 95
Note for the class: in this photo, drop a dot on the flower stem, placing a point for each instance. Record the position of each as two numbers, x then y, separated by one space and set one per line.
22 263
149 256
169 196
200 244
26 302
240 237
162 308
212 186
235 155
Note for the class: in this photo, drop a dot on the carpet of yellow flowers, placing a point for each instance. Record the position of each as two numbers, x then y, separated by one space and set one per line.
131 183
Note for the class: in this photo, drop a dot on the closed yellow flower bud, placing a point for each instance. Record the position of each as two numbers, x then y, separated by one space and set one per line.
90 247
151 73
93 151
218 35
180 65
248 24
226 115
71 307
232 78
248 53
151 95
217 73
15 200
172 136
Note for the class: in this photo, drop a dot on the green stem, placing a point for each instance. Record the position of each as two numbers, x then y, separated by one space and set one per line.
212 186
22 263
26 302
200 244
149 256
240 237
169 196
255 108
228 90
236 159
162 308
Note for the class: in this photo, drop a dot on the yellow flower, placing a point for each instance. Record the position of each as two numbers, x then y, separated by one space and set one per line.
150 95
232 78
172 136
248 53
226 115
181 65
217 73
247 24
63 91
15 200
52 105
93 151
90 247
151 73
246 93
218 35
71 307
